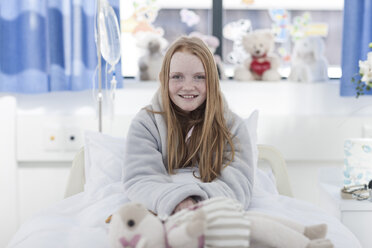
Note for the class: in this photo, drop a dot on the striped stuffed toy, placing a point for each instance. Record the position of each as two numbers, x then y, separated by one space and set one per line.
226 224
216 222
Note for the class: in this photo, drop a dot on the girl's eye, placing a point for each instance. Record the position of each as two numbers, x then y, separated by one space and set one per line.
175 77
200 77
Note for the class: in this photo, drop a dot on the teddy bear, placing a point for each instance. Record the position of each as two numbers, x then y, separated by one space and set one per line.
211 223
308 61
261 63
150 62
212 42
133 226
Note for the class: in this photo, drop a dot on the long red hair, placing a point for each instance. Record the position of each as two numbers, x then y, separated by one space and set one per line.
210 135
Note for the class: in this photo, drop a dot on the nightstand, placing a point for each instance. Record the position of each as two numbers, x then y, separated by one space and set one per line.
355 215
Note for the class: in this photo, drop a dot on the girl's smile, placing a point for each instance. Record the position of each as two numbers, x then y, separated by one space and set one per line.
187 86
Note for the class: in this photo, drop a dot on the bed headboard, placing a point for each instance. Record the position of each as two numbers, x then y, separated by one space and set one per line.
278 166
266 153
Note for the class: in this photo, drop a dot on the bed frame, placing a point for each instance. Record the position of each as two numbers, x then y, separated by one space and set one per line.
269 154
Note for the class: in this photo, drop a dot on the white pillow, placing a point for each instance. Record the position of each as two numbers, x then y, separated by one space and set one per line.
251 123
264 179
104 155
104 158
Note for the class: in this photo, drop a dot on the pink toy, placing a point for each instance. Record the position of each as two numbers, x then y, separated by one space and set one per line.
212 43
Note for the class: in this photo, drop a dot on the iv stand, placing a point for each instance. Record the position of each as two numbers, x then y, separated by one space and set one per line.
99 69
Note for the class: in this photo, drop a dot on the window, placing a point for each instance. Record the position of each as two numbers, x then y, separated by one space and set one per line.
327 13
165 15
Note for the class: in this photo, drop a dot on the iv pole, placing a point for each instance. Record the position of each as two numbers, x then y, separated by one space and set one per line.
99 69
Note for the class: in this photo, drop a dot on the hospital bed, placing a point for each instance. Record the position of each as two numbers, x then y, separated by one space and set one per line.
79 219
267 155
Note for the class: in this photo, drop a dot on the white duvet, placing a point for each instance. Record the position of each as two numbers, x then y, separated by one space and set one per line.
79 221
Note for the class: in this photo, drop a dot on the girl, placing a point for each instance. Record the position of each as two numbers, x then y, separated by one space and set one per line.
187 146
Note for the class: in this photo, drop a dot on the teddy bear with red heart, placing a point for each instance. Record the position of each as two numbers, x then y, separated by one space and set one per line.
262 64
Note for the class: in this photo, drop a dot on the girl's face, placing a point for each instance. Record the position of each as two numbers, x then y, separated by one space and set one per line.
187 86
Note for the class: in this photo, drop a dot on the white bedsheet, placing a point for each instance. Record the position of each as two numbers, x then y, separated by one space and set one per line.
79 221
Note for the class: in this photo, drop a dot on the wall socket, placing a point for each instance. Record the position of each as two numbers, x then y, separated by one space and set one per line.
52 139
62 139
72 139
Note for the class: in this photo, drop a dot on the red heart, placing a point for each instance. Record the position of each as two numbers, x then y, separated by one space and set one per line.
260 67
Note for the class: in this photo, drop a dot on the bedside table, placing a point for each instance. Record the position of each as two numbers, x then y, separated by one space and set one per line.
355 215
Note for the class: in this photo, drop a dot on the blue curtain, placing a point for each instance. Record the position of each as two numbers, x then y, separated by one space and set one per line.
48 45
357 34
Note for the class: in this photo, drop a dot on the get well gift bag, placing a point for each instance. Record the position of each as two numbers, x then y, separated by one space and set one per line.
357 162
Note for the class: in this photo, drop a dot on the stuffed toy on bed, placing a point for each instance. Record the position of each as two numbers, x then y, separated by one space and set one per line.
262 64
211 223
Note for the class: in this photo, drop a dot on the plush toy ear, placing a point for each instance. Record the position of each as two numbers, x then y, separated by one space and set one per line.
298 48
318 47
163 43
141 40
212 41
141 243
196 34
246 41
295 52
269 35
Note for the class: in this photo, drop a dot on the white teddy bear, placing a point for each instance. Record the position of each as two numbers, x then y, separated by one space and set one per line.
150 62
308 62
262 64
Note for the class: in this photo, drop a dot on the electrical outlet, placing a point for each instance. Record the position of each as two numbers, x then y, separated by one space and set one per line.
52 139
367 131
72 138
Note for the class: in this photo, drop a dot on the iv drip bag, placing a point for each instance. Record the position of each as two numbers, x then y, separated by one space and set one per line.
110 34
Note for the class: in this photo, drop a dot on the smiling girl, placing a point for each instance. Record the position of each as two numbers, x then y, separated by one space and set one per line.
187 146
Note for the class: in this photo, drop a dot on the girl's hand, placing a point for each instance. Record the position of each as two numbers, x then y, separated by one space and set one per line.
184 204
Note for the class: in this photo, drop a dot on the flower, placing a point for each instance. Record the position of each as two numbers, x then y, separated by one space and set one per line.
365 69
365 72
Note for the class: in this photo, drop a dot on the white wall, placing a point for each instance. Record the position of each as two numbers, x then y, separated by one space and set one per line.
8 169
306 122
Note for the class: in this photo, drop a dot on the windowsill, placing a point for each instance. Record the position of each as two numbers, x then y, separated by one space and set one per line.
132 82
334 71
272 98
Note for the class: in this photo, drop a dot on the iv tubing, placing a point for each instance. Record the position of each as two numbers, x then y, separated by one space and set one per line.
99 70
